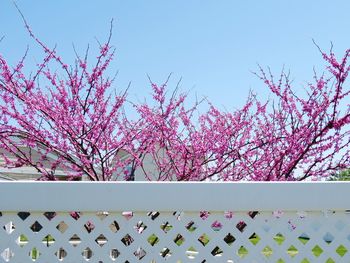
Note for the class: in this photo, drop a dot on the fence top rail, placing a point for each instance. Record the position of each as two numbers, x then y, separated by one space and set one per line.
174 196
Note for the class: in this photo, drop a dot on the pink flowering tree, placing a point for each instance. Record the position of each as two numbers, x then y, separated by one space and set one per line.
290 137
68 118
184 146
304 136
72 122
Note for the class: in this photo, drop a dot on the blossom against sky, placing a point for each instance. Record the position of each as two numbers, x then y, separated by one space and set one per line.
212 45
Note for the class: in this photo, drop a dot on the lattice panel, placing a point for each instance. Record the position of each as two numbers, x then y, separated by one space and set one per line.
174 237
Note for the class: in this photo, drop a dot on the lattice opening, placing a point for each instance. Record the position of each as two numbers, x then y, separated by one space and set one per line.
241 225
140 253
102 215
153 215
89 226
191 226
229 239
328 238
7 254
341 250
267 251
127 240
216 226
62 227
152 240
87 254
317 251
179 239
128 215
253 214
23 215
204 214
217 252
9 227
291 225
166 227
254 239
75 240
61 254
292 251
302 214
228 214
178 215
165 253
277 214
114 226
204 239
50 215
304 238
101 240
114 254
191 253
140 227
242 252
34 254
75 215
279 238
48 240
36 227
330 260
22 240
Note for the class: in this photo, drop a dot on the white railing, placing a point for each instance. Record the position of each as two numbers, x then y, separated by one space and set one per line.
174 222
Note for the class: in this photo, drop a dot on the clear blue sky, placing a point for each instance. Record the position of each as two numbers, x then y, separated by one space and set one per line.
212 45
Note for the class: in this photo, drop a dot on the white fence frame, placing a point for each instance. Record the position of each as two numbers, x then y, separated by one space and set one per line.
173 196
38 197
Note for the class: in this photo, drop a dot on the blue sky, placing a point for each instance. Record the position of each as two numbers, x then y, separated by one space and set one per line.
212 45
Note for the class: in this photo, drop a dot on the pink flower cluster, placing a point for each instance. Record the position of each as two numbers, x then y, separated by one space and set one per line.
74 123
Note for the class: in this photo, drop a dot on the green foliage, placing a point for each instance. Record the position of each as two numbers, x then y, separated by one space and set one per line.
341 176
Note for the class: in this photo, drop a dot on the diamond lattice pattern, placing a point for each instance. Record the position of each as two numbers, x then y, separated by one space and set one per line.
175 237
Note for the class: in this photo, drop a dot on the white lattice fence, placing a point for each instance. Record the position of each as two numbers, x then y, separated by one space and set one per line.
225 222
